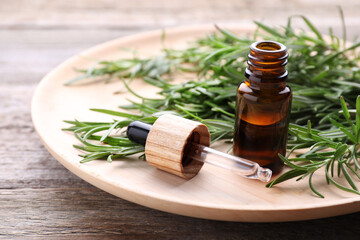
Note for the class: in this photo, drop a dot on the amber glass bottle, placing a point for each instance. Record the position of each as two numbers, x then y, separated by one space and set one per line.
263 106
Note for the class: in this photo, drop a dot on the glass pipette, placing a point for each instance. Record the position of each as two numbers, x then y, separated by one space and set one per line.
137 132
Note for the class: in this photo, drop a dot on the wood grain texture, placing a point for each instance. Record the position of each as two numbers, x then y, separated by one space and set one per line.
87 213
39 198
166 149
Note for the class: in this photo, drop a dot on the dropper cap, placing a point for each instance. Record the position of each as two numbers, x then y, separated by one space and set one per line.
166 141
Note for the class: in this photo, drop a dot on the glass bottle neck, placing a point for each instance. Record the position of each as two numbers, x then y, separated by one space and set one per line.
266 64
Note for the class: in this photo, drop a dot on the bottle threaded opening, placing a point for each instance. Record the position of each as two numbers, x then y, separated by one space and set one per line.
266 61
268 46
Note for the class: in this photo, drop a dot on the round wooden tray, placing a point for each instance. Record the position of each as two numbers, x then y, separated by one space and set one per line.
212 194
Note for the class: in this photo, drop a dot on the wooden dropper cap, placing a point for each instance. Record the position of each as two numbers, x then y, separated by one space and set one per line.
166 141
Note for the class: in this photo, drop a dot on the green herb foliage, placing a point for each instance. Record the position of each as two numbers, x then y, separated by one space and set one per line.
320 72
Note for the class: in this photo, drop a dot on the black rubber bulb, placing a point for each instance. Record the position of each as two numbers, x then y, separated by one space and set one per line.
138 131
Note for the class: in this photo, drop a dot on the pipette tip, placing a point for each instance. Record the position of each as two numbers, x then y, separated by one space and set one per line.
264 174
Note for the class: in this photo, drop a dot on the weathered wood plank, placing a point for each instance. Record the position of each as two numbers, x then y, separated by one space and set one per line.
25 163
27 55
79 212
144 14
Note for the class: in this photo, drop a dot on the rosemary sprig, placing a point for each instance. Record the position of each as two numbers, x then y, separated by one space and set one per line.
338 147
320 72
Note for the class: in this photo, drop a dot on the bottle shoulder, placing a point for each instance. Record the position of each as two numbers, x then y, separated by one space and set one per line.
245 88
285 92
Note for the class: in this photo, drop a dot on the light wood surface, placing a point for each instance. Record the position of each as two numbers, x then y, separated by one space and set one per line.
213 194
39 198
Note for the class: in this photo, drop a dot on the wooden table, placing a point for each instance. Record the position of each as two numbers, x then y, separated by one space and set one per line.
39 198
